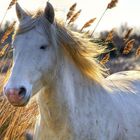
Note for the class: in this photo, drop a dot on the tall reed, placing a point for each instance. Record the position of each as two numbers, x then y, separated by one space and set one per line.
110 5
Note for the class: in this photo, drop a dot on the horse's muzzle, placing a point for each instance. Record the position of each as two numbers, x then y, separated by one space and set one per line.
17 97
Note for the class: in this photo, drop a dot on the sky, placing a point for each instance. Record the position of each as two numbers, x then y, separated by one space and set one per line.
126 11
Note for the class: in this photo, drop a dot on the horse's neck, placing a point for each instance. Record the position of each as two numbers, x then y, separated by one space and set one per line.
57 103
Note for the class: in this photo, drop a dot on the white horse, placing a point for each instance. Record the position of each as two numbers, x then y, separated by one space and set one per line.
75 101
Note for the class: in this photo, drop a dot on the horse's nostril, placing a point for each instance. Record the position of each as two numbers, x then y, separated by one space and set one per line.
22 92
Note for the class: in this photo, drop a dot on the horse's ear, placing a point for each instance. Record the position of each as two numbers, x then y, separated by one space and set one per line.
21 14
49 13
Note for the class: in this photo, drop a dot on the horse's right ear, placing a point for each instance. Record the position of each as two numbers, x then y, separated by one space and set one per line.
49 13
21 14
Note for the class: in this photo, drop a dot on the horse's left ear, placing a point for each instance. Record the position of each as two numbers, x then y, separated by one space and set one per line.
21 14
49 13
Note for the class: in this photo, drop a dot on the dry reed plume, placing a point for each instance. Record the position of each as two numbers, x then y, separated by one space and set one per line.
71 11
75 17
127 35
88 23
110 36
112 4
105 59
138 52
129 46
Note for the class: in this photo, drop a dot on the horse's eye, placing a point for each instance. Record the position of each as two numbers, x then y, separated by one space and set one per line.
43 47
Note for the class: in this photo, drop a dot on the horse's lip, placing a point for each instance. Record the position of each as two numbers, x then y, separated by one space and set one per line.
23 103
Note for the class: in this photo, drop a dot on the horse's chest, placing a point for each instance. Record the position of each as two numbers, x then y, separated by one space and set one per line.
43 132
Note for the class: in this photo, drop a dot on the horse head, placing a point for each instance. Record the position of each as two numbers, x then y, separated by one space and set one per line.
34 56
